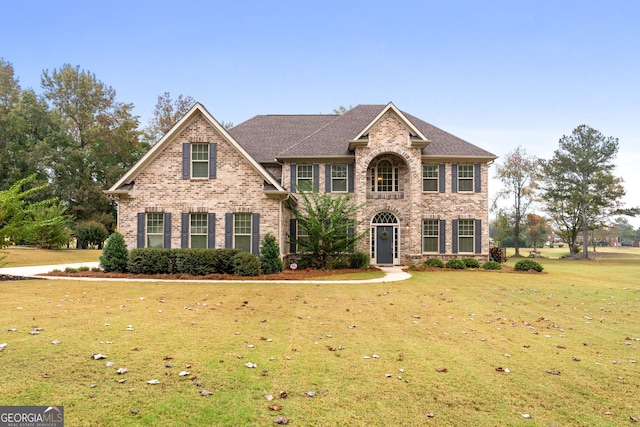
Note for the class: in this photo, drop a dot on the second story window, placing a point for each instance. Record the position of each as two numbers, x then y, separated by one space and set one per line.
429 178
339 178
385 177
465 178
199 160
304 177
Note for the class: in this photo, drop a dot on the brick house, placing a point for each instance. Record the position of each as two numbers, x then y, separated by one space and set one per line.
426 191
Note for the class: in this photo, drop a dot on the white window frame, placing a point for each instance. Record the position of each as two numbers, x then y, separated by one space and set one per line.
466 175
154 229
468 225
339 172
242 227
304 177
390 182
199 157
425 235
198 230
430 173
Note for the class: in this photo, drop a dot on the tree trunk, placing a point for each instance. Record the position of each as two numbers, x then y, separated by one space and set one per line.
585 236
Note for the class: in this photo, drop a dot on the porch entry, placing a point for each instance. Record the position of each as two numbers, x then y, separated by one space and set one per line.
384 239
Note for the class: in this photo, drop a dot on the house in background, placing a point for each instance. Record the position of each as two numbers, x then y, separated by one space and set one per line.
425 191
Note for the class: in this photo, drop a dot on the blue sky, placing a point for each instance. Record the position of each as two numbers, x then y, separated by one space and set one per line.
497 73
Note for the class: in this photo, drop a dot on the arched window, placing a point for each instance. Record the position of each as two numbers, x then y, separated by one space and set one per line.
385 177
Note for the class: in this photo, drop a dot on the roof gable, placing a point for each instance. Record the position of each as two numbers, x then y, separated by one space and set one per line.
123 183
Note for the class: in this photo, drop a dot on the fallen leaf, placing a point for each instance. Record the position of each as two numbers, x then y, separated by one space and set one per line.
135 411
527 416
184 373
275 407
197 383
265 373
98 356
635 419
281 420
268 397
205 393
250 365
430 415
311 393
441 369
167 358
283 395
56 342
553 372
3 346
153 382
121 371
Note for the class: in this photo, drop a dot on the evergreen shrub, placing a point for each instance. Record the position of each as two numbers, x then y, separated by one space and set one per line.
455 264
471 263
246 264
433 262
528 264
270 261
115 255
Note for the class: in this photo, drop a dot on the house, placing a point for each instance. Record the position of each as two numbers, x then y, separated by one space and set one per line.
201 185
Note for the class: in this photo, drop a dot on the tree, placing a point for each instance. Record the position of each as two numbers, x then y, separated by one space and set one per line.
115 255
536 230
101 141
19 218
270 261
167 113
329 223
519 175
52 231
499 228
580 188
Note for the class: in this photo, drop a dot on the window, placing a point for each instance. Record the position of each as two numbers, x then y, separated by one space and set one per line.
304 177
303 236
339 178
385 177
198 230
242 231
199 160
429 177
465 178
430 235
465 235
155 230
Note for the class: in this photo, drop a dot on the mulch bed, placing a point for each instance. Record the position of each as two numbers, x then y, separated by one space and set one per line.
284 275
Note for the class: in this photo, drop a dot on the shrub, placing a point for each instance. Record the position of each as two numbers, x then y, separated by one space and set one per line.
84 268
70 270
151 261
492 265
90 234
528 264
412 266
196 262
471 263
115 254
270 261
434 262
359 260
455 264
246 264
223 260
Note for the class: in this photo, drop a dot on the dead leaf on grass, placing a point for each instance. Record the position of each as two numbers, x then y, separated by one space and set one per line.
275 407
441 370
205 393
98 356
553 372
281 420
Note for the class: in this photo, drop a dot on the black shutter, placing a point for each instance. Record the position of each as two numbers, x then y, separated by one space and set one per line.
142 218
476 178
454 178
350 178
167 231
294 177
184 231
255 233
477 228
186 160
316 176
454 236
213 160
441 178
211 230
443 236
228 230
293 234
327 178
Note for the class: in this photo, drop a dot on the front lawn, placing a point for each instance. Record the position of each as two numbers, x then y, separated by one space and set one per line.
445 348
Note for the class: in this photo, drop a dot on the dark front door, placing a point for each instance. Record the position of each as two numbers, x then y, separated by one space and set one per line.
384 244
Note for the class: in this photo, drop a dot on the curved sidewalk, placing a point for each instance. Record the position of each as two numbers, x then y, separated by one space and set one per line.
392 274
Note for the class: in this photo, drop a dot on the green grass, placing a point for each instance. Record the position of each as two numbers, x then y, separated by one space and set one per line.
20 256
464 321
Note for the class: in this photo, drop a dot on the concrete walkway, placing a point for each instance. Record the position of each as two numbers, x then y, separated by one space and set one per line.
392 274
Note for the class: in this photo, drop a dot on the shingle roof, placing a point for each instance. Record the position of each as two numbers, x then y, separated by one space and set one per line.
268 137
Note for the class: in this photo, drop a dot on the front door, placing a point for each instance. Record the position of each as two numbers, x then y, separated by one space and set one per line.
384 244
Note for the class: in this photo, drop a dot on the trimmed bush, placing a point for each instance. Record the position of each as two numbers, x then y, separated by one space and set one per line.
151 261
115 255
90 234
359 260
528 264
433 262
455 264
492 265
246 264
224 260
270 261
471 263
196 262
